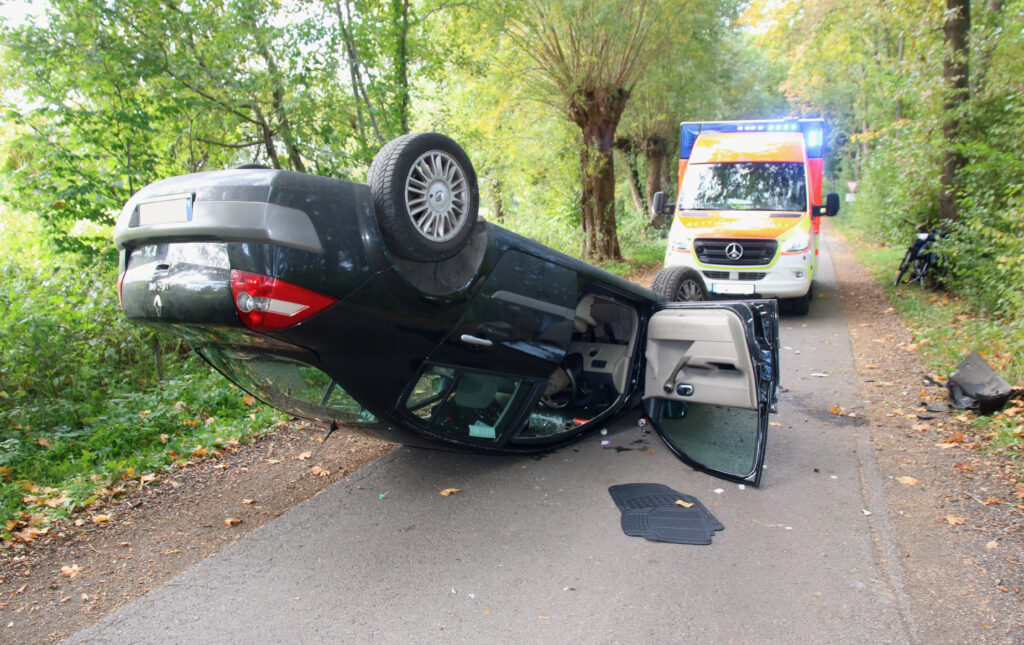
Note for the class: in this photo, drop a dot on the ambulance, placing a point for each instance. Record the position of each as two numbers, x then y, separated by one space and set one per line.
747 217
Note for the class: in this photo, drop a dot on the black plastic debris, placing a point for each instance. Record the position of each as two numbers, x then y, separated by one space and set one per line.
653 511
976 386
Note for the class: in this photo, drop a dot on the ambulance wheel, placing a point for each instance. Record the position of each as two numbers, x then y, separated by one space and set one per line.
679 284
802 306
425 195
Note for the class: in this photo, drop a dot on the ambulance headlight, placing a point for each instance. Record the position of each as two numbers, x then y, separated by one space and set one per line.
679 241
796 243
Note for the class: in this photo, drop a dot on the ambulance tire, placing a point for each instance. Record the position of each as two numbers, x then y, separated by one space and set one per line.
425 195
802 306
679 284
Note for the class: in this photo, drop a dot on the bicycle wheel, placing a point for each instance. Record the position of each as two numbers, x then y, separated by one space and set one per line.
920 272
904 265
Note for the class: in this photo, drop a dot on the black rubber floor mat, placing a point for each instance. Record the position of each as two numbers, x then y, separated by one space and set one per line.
677 525
634 497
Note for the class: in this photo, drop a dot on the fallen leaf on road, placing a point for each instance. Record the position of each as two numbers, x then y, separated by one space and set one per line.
305 455
233 521
248 501
450 491
953 520
921 427
775 423
958 437
70 571
992 500
319 472
100 519
837 410
992 545
200 451
909 481
273 461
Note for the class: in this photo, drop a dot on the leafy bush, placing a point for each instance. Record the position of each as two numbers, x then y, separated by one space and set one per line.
81 403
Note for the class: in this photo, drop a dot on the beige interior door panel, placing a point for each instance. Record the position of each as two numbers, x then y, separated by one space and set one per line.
705 349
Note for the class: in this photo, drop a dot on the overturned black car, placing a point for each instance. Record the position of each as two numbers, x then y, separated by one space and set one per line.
390 306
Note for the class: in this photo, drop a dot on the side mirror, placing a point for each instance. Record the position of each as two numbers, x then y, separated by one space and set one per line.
658 205
831 206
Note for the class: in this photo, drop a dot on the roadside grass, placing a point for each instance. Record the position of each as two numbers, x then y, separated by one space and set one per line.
84 412
639 252
946 328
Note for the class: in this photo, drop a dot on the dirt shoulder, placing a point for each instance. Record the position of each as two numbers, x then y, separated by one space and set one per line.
953 510
165 526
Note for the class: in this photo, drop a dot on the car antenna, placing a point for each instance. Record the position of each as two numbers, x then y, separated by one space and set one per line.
330 431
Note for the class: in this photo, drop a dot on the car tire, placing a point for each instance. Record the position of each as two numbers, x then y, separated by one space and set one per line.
425 194
679 284
802 306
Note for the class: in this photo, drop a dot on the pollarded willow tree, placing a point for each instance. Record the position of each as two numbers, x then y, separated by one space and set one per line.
586 59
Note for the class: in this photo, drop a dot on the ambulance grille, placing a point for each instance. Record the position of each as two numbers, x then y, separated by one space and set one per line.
753 252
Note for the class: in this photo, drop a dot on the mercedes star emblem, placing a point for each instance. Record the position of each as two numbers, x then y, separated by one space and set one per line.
734 251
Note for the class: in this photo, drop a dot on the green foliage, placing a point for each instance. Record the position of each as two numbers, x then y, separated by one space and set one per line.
80 402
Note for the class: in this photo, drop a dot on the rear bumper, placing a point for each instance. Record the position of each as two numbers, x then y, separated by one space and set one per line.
223 221
224 206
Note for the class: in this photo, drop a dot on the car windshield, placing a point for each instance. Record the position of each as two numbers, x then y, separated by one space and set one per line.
769 186
288 384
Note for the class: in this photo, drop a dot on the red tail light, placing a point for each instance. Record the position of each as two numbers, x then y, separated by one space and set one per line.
269 304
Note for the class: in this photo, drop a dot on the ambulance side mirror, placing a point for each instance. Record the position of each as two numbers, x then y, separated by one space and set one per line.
659 207
831 206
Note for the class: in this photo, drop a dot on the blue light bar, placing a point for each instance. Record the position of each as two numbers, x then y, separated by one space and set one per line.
813 131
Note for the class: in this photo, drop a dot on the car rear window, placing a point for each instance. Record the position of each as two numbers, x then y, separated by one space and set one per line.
288 384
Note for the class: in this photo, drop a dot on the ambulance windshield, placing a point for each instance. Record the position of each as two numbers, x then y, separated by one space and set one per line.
763 186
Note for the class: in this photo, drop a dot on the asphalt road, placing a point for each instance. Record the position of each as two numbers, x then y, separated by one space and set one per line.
531 550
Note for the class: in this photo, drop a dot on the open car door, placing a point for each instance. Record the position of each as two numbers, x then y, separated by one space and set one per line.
711 378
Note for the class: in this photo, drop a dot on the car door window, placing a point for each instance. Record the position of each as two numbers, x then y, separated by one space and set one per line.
713 434
469 405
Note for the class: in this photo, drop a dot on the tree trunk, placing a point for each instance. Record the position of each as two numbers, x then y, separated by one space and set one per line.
956 30
597 112
656 151
625 146
499 201
400 16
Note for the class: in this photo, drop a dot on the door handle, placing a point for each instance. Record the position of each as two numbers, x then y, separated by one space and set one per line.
474 340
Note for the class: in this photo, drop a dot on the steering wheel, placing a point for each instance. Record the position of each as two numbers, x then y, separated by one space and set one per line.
564 383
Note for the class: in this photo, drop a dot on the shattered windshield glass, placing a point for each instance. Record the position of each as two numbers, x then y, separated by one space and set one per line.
770 186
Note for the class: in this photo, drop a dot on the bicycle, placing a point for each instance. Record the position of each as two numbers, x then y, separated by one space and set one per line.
921 261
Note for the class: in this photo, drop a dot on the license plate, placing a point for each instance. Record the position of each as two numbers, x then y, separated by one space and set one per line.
173 209
732 289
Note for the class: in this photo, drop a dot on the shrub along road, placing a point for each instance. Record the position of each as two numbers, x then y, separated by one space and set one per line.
531 549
